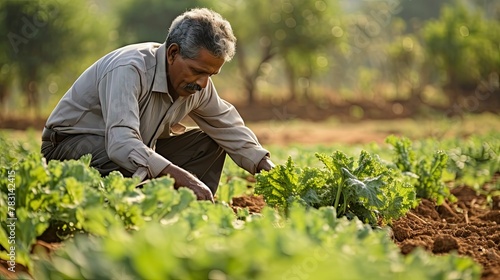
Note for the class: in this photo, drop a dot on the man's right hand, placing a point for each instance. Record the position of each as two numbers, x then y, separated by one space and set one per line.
185 179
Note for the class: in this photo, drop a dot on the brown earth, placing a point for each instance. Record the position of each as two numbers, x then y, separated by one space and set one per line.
254 204
470 226
264 111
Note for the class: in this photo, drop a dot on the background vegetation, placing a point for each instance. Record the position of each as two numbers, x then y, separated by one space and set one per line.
413 55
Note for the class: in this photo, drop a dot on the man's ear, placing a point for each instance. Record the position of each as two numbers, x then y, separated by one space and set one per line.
172 52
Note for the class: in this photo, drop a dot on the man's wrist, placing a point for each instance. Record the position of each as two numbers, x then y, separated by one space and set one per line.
265 164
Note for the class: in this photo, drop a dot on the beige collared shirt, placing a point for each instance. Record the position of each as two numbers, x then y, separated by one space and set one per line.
124 97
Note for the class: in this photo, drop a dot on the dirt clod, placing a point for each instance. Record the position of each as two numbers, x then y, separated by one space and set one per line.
253 203
493 215
444 244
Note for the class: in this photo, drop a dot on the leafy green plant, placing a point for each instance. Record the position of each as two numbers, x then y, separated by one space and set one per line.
366 188
287 183
12 152
54 193
425 173
68 197
476 161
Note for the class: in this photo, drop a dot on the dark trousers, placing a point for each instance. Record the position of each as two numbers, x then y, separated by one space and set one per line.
193 151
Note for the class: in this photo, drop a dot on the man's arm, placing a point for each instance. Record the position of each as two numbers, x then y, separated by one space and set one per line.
118 94
222 122
119 90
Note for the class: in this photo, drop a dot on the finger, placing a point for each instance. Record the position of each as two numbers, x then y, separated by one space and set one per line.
204 196
209 197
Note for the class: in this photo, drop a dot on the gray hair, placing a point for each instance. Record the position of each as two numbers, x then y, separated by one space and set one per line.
202 28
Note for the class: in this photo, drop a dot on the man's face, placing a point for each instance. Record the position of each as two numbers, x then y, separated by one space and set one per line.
187 76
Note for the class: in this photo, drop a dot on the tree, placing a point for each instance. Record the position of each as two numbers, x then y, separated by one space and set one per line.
408 66
491 8
304 36
49 36
252 26
463 45
415 13
6 71
361 58
148 20
297 31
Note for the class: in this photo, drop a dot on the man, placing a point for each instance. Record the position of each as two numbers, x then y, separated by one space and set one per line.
125 110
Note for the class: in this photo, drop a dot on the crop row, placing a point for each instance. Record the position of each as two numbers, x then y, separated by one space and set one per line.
112 230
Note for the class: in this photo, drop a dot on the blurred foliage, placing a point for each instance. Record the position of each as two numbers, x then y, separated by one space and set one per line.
464 46
287 49
416 12
408 66
296 32
46 38
148 20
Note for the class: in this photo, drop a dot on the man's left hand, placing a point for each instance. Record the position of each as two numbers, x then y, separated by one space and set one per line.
265 164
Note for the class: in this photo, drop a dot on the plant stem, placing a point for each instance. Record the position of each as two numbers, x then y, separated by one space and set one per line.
337 197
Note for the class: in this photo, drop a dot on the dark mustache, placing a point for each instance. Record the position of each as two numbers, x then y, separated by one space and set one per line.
193 86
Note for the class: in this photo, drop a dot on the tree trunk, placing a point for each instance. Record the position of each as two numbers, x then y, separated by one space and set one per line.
291 77
4 95
32 94
250 77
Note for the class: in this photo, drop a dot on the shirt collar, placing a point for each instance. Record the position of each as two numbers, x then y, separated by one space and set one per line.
160 79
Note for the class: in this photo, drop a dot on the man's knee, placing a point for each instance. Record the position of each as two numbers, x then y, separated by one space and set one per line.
74 147
213 147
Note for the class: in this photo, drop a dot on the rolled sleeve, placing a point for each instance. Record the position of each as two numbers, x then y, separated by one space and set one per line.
155 163
252 159
118 93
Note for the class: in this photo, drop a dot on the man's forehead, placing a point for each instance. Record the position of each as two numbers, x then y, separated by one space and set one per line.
207 62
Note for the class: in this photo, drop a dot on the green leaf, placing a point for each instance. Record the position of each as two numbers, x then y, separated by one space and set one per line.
279 184
404 155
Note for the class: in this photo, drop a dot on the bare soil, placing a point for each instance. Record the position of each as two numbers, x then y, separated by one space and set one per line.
471 227
253 203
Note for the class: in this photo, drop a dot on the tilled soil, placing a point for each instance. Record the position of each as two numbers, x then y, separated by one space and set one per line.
470 226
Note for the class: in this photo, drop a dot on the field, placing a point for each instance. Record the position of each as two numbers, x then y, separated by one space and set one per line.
347 201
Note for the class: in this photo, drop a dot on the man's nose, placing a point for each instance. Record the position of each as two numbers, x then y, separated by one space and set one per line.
203 81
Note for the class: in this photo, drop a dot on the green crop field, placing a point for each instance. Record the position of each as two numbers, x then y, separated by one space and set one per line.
328 216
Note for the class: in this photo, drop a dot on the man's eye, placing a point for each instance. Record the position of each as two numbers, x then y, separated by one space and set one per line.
200 72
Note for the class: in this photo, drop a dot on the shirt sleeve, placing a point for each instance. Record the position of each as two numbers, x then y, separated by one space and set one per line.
222 122
119 90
